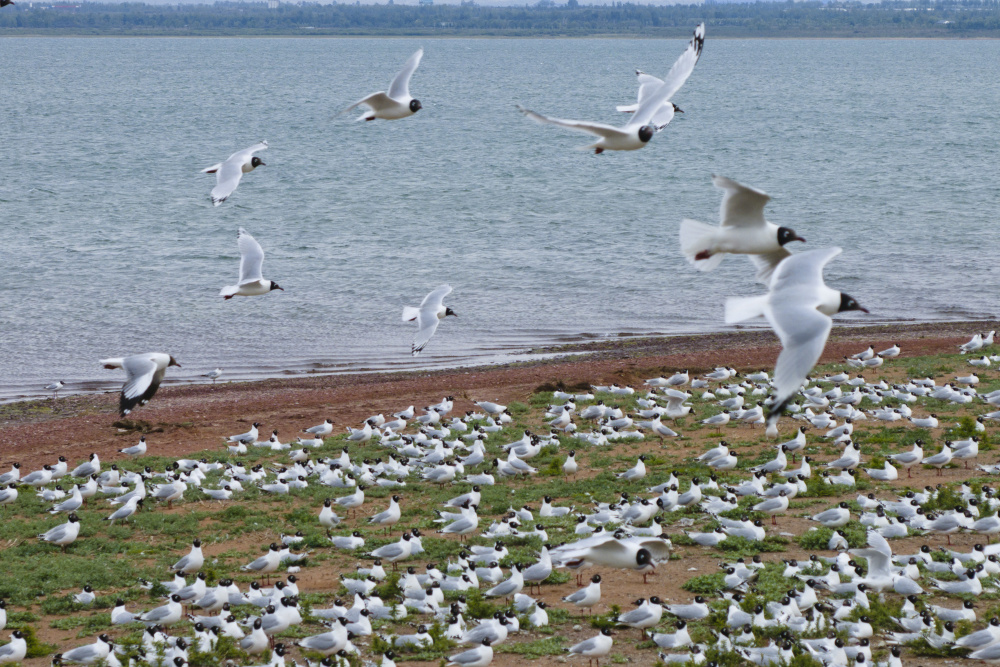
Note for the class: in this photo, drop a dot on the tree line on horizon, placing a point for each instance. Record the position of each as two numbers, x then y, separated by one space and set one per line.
923 18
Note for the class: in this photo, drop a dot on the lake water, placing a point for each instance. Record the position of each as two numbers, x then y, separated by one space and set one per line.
887 148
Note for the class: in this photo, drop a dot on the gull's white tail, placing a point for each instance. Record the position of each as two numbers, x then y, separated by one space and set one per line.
697 237
744 308
410 313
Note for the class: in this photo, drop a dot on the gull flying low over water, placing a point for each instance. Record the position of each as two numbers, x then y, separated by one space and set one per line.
798 307
743 230
145 373
229 173
637 132
252 281
431 311
647 85
397 103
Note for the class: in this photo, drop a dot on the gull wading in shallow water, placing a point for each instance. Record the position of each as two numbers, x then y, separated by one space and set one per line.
229 173
252 281
798 307
397 103
743 230
643 125
431 311
145 373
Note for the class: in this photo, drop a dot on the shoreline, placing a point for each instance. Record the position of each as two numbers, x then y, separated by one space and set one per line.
187 418
596 346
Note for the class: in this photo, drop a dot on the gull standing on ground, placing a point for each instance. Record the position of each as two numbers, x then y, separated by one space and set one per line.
643 125
229 173
16 649
213 375
798 307
322 430
63 534
910 458
397 103
135 450
594 648
431 311
267 563
743 231
192 562
476 657
55 387
145 373
252 281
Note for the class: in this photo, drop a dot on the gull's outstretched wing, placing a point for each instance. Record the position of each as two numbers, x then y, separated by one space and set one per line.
375 102
400 87
767 263
428 323
742 206
142 383
434 300
599 129
251 258
791 309
672 82
227 179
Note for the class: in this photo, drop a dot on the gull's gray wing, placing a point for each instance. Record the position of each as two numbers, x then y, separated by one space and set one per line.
55 534
258 564
400 87
585 646
388 551
635 616
84 654
251 258
156 615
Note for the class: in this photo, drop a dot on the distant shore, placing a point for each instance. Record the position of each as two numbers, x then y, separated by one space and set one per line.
188 418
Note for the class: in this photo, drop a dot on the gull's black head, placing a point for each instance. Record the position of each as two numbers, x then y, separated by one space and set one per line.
786 235
415 106
646 133
847 302
275 286
677 109
257 162
173 362
449 311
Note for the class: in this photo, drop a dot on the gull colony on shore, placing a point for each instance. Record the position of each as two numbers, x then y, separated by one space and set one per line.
821 608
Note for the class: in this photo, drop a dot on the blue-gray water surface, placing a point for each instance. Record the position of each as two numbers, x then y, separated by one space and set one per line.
112 246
